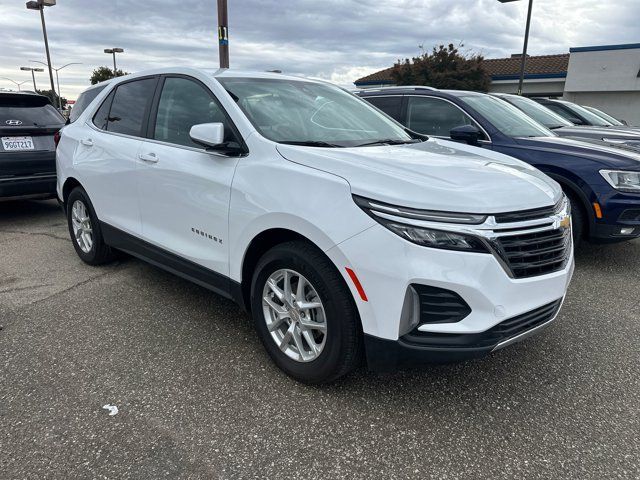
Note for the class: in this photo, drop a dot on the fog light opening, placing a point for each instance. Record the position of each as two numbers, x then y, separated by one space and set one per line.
626 231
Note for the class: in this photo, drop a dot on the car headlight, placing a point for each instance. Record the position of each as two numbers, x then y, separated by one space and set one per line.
391 217
622 180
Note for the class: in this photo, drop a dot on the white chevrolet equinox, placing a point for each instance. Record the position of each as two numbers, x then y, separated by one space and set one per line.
344 235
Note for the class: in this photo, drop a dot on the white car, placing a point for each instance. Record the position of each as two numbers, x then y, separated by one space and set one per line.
344 235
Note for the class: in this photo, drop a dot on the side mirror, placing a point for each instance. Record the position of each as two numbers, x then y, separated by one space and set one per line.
624 122
465 133
207 134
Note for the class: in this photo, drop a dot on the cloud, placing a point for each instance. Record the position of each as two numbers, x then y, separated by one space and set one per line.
340 40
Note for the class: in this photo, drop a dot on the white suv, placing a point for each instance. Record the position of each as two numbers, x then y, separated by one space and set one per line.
344 235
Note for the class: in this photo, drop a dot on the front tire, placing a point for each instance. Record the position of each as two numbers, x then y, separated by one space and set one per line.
85 231
304 314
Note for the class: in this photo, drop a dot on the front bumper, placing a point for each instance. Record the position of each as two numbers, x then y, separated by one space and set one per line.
28 185
387 266
416 348
621 218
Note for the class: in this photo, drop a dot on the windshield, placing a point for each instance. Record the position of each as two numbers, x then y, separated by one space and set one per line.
316 114
606 116
31 110
505 117
590 117
539 113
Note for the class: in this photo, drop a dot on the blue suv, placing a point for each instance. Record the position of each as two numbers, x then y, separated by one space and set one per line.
602 182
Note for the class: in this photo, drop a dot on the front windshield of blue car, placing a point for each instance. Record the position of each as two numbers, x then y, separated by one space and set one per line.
505 117
311 113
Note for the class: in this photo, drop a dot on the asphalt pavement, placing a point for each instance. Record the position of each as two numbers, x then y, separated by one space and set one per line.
198 397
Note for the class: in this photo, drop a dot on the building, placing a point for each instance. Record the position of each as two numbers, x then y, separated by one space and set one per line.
606 77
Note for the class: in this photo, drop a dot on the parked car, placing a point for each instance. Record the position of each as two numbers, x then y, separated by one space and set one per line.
603 183
28 128
540 113
576 114
613 121
320 215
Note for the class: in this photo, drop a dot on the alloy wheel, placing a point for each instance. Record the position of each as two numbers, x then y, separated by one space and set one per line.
81 223
294 314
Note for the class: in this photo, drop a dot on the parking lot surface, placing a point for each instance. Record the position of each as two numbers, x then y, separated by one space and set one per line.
198 396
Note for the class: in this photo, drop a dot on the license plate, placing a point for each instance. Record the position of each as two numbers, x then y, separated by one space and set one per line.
17 143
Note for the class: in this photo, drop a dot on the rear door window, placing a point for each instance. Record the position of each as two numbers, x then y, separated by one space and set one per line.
83 102
392 106
28 111
127 108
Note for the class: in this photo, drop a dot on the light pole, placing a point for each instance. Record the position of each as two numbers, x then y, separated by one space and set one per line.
523 61
33 76
223 34
13 81
39 5
114 51
58 79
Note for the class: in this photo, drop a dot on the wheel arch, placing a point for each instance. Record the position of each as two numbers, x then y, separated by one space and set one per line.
573 189
69 184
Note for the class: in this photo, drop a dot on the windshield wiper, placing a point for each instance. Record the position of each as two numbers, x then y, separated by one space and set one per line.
311 143
389 141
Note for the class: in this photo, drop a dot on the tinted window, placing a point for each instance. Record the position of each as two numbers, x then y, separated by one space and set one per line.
564 113
83 102
536 111
433 116
129 107
184 103
101 117
29 109
389 105
591 117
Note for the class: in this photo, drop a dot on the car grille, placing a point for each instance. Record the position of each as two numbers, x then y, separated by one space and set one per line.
438 305
538 253
500 333
526 215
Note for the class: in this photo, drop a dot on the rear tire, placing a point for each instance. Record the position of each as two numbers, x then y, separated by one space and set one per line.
288 332
85 231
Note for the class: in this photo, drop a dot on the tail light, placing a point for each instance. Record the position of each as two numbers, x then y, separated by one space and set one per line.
56 138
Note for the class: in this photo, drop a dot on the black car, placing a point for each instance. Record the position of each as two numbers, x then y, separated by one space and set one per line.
602 182
29 126
611 135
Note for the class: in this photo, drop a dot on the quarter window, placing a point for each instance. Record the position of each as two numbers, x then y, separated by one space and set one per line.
433 116
101 117
183 104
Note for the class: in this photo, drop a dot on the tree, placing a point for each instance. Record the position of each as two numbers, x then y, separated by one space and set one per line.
53 96
101 74
444 67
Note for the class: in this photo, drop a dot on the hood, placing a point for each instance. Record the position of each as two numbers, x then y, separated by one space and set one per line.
600 132
434 175
606 154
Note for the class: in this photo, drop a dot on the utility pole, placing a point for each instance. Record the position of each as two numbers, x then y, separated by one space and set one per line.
39 5
523 60
223 34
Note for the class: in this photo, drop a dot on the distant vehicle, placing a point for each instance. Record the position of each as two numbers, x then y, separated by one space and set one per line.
542 114
29 127
334 226
614 121
603 183
577 114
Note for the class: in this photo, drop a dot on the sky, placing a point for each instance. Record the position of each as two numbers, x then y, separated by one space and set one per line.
336 40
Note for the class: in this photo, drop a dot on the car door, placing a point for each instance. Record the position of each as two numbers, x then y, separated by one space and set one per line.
107 153
184 190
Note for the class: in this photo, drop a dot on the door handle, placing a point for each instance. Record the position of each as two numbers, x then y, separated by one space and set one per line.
87 141
148 157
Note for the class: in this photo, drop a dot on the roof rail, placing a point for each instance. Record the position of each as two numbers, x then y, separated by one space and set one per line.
396 87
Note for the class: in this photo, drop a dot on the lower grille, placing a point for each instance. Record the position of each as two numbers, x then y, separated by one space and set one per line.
438 305
500 333
539 253
630 215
